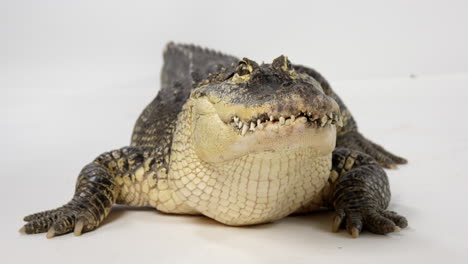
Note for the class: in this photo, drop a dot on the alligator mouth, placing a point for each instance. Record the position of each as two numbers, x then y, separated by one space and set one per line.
224 132
311 120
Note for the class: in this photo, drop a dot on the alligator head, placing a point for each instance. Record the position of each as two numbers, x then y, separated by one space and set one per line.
252 108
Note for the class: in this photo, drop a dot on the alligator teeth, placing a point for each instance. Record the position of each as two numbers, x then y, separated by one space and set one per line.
340 122
302 119
259 124
281 120
252 126
244 129
323 122
336 120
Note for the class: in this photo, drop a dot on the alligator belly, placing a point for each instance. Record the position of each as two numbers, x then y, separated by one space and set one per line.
258 188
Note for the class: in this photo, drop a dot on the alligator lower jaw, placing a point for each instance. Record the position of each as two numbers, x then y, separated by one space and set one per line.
277 138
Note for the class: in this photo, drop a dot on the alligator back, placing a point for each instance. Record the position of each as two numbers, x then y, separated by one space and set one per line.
184 66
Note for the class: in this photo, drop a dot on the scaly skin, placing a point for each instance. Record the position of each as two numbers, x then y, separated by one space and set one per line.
256 188
97 189
238 142
360 193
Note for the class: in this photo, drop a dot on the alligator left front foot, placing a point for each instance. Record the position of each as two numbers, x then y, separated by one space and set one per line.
376 221
360 194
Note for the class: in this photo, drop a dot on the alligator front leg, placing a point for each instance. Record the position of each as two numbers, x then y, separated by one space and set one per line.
95 193
360 194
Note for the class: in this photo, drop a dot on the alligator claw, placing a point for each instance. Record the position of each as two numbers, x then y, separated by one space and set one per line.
50 233
78 228
374 220
59 221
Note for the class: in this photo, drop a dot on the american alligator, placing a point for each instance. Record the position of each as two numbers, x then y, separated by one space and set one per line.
241 143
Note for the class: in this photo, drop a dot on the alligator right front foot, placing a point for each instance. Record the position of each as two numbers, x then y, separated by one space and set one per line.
94 196
74 216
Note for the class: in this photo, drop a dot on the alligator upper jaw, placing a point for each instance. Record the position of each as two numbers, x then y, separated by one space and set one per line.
318 111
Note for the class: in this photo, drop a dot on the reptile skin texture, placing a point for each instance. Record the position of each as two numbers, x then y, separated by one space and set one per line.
241 143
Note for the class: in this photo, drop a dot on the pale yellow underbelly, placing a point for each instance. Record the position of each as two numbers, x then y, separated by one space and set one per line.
256 188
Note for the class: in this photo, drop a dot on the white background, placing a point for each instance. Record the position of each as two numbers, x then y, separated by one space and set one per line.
74 76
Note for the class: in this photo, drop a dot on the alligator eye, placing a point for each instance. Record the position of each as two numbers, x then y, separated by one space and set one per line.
243 68
282 64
